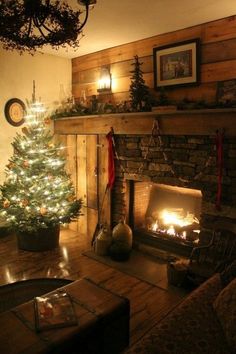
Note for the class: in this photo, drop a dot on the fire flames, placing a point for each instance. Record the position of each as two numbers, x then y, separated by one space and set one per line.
176 223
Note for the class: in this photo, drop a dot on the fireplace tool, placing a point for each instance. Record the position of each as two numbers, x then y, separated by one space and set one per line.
111 179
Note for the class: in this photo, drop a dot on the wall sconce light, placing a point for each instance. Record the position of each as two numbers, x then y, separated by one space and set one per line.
104 83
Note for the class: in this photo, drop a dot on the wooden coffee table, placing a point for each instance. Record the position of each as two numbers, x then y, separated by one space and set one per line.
103 325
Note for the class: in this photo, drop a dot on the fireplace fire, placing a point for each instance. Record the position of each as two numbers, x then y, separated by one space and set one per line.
175 223
163 212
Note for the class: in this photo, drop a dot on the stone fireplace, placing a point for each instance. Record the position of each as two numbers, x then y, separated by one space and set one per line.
177 175
183 155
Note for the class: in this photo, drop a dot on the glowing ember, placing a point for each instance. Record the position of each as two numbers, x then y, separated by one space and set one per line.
155 226
171 230
176 223
177 218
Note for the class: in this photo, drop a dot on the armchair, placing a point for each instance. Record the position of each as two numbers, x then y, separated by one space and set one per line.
215 256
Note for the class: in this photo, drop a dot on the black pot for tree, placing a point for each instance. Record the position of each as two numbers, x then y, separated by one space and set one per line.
40 240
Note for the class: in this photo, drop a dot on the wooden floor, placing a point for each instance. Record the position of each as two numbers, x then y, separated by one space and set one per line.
148 303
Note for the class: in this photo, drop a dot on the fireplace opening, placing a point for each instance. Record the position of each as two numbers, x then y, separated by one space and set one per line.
174 212
168 216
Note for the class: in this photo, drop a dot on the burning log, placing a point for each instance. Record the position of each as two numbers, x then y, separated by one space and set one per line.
187 228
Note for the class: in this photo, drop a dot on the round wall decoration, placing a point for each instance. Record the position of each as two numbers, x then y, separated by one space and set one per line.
15 111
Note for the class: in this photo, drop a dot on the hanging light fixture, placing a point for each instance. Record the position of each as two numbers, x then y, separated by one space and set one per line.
27 25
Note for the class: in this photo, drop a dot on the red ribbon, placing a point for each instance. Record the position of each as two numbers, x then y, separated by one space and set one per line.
111 159
219 150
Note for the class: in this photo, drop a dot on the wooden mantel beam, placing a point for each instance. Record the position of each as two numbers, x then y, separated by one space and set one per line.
194 122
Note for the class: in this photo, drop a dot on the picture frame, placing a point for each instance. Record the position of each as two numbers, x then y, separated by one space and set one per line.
177 64
15 111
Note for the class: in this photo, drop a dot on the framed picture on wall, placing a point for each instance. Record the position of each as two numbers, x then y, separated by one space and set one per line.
177 64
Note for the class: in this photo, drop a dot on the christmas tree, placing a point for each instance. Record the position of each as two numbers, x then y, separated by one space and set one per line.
37 192
139 92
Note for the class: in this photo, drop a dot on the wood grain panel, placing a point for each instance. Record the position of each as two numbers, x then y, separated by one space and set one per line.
71 168
219 71
86 76
117 70
123 84
210 53
91 171
219 30
141 48
218 61
120 84
124 68
218 51
88 89
71 164
193 122
214 31
211 72
82 181
104 194
121 96
92 215
83 221
205 91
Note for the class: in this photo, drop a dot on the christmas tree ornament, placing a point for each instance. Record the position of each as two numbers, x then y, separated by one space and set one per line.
43 211
47 121
26 163
24 203
6 204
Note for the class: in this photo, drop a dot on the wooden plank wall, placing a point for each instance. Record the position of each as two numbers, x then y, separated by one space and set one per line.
87 162
87 154
218 62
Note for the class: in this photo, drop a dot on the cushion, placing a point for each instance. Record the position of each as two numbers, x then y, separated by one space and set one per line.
225 307
191 328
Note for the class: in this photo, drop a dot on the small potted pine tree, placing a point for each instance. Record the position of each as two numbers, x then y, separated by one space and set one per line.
139 91
37 195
